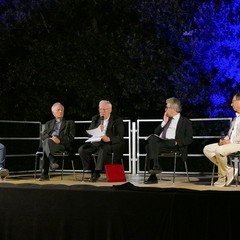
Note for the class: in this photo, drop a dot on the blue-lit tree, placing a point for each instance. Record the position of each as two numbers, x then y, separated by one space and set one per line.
213 47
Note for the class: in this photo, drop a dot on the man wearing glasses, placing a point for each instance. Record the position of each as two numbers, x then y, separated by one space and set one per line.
174 133
111 142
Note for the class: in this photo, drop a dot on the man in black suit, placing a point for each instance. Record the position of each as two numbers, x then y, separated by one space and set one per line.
111 141
174 133
57 136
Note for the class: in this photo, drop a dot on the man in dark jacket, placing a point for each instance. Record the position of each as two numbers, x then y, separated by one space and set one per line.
174 133
57 136
110 143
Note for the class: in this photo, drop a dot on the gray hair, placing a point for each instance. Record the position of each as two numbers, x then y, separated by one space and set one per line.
175 103
107 102
55 104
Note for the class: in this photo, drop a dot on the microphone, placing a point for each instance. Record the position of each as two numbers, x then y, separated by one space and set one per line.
222 135
101 120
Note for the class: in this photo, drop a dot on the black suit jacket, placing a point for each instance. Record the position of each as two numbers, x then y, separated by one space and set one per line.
184 135
115 130
66 133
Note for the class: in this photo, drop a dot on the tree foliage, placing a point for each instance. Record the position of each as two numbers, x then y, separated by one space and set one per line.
136 53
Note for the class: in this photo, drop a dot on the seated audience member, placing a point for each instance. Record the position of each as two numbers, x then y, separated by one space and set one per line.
111 142
57 136
3 171
218 152
174 133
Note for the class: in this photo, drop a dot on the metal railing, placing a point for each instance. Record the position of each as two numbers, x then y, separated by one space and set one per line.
22 138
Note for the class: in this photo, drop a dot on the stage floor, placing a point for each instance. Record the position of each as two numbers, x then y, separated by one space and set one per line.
198 182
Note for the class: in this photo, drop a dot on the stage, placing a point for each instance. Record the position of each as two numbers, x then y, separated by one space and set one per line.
73 209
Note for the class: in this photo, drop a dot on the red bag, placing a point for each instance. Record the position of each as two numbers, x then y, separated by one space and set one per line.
115 173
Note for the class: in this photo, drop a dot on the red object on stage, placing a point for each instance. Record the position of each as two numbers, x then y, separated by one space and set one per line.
115 173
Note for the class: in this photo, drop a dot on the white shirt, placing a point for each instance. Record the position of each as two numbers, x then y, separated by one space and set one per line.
171 131
236 128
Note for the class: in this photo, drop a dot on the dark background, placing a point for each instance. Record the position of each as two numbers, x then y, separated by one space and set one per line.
134 53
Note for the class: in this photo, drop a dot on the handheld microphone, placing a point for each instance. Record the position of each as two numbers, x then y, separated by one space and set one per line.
101 120
222 135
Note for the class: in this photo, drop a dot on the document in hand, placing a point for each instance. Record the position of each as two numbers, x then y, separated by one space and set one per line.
96 135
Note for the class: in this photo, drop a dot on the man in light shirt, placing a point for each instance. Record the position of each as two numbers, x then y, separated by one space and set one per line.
173 134
218 152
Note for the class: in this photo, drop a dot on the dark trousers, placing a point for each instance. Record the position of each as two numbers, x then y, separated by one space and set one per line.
49 148
104 155
157 146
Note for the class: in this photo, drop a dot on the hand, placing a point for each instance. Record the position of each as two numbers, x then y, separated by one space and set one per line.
56 139
101 127
223 142
106 139
165 117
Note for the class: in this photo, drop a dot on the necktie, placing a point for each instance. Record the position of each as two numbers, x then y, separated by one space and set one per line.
166 128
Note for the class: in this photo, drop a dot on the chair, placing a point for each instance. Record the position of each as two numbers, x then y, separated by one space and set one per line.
94 155
63 155
175 155
233 159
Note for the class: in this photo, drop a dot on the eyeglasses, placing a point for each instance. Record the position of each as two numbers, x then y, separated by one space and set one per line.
58 110
103 109
168 107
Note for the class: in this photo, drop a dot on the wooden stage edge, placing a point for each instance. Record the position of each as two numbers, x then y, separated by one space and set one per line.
198 183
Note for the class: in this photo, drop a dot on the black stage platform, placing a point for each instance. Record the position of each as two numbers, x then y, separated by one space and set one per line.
32 211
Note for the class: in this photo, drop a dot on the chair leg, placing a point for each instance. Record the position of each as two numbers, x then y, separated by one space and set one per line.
235 164
35 169
213 171
174 167
38 157
186 168
62 167
145 169
74 174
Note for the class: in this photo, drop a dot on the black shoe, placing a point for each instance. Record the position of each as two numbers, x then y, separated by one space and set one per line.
4 172
44 177
54 166
152 179
155 170
95 176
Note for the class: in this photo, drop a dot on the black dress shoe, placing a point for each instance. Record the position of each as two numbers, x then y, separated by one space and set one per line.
151 180
44 177
94 177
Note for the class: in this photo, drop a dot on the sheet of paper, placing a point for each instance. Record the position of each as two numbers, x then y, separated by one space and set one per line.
96 135
96 132
93 139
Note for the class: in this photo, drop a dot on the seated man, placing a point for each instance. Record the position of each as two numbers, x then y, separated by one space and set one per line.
218 152
111 142
57 136
3 171
174 133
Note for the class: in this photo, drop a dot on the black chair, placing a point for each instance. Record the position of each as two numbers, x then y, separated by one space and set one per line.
233 159
62 155
175 155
